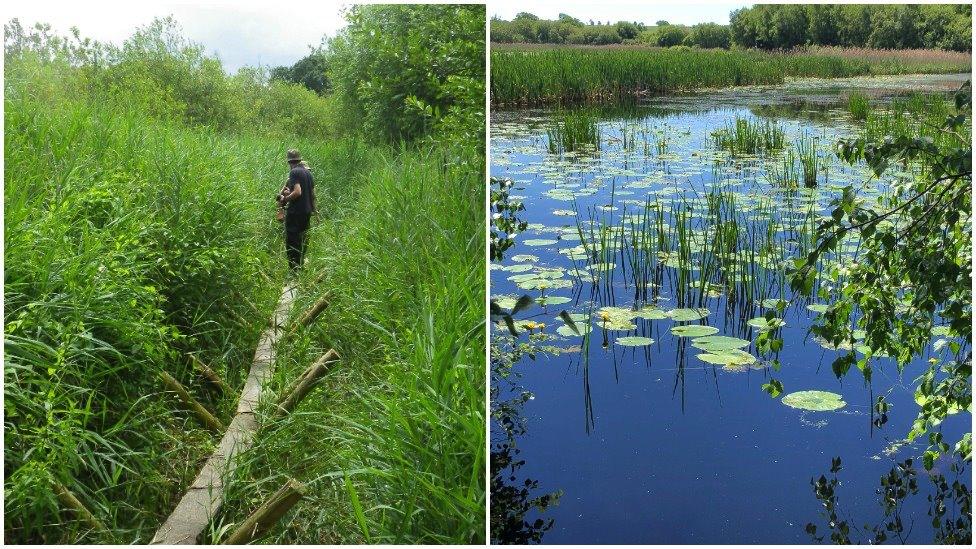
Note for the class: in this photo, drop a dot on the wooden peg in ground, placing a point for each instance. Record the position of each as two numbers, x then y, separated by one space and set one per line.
210 375
268 514
311 314
69 500
305 383
202 413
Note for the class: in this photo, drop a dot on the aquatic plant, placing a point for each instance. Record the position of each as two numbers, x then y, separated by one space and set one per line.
573 131
857 105
816 401
745 136
809 159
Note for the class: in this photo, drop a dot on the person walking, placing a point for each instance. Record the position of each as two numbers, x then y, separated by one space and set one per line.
298 195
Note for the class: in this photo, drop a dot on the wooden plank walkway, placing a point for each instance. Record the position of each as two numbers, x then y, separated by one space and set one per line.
205 495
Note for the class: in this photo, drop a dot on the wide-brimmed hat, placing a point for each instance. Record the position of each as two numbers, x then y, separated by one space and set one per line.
294 156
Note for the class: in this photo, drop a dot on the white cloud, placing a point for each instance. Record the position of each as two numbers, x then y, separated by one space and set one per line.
241 33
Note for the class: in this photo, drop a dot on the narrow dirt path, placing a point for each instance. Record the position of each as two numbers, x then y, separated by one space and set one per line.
205 495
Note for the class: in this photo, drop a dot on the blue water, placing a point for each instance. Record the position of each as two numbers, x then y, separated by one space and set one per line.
650 444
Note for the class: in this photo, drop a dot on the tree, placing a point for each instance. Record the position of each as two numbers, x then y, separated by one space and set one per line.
914 270
823 24
408 69
309 71
789 23
671 35
709 35
627 30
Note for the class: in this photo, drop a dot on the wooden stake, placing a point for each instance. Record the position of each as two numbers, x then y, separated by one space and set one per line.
268 514
312 313
205 416
211 375
248 302
69 500
318 278
305 383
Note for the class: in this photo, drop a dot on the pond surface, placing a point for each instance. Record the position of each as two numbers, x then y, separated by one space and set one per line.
649 442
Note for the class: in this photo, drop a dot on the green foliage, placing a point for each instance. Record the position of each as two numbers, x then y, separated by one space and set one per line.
160 73
505 224
671 35
410 70
527 28
749 137
139 228
709 35
573 131
884 26
568 74
915 263
857 104
309 71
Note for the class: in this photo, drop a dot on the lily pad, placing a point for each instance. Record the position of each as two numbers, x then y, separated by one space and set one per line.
816 401
634 341
650 312
772 303
517 268
539 242
763 325
693 330
718 344
566 331
819 308
524 257
506 301
553 300
733 357
545 284
688 315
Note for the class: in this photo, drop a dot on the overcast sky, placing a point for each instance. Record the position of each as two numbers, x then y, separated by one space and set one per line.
240 33
673 11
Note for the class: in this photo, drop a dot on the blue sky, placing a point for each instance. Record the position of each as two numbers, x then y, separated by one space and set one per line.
682 12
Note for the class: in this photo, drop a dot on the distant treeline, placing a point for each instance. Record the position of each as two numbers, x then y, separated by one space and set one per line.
766 26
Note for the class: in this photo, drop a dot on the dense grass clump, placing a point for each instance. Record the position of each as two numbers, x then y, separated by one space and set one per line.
857 104
543 75
745 136
573 130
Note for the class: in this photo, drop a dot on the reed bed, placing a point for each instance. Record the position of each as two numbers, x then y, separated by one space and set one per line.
565 74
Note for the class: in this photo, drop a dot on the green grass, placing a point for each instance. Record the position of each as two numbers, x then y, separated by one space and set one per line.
547 75
746 136
403 413
131 240
858 106
573 130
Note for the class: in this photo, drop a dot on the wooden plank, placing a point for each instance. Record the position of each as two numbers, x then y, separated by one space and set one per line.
205 496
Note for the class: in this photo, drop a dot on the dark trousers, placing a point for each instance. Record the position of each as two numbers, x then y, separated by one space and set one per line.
296 229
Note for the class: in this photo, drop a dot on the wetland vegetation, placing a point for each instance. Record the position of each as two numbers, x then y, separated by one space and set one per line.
139 229
700 288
